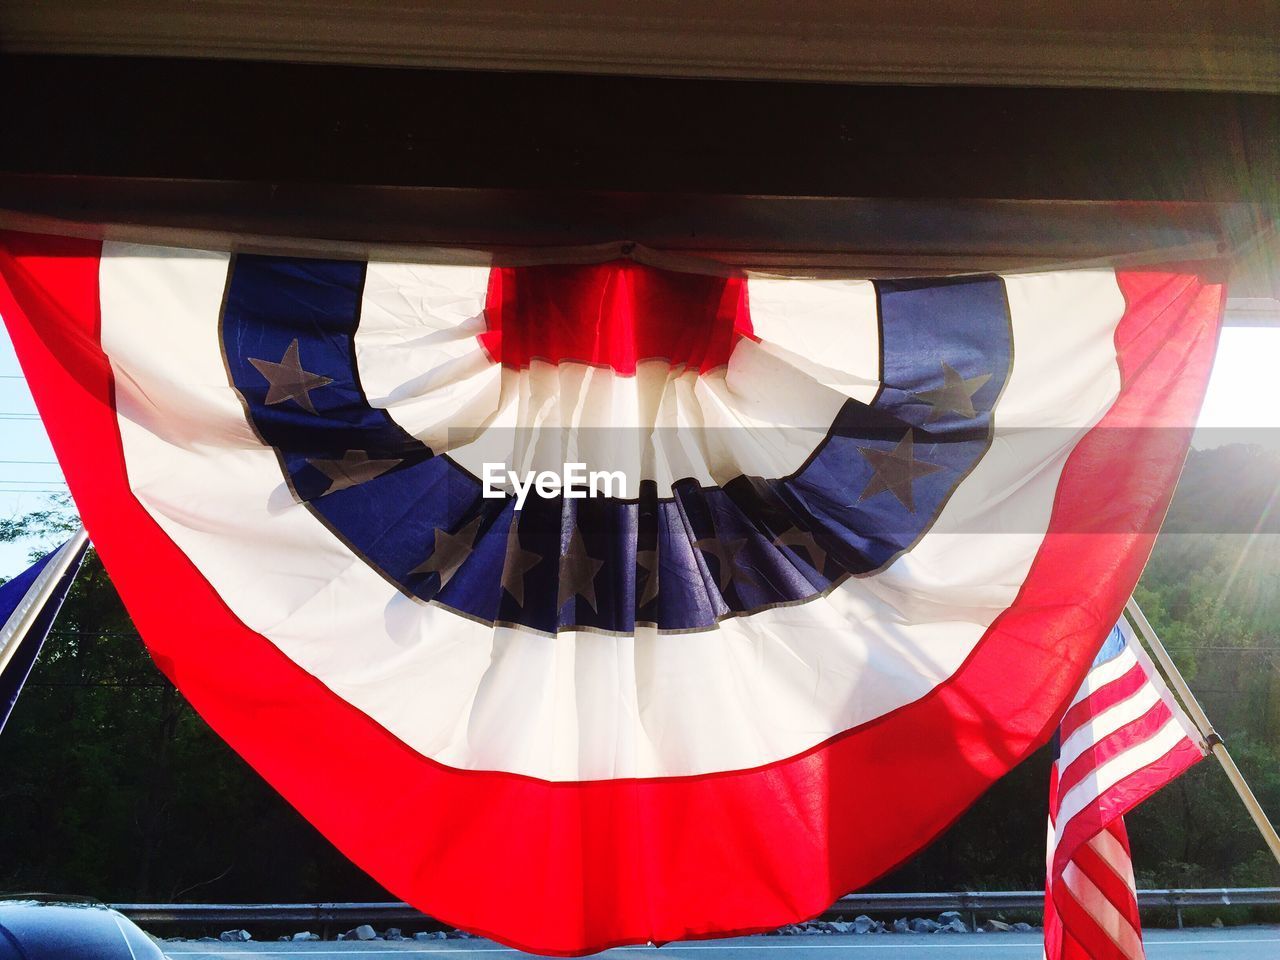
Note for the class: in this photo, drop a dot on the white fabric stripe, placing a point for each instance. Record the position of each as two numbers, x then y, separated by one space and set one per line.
1140 755
1050 907
827 328
1112 852
1106 723
584 706
1154 677
37 594
660 424
1105 673
762 415
1113 924
417 351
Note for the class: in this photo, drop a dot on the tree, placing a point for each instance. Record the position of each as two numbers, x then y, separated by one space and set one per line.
115 788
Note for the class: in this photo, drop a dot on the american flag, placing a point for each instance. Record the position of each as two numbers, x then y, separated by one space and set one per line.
1121 740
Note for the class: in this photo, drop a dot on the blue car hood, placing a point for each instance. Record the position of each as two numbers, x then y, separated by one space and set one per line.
42 930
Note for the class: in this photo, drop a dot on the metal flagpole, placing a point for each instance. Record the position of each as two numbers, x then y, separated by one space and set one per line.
15 631
1211 738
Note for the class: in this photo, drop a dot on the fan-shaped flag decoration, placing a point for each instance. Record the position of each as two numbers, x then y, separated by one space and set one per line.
832 555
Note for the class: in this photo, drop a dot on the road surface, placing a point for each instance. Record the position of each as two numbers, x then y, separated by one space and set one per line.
1233 943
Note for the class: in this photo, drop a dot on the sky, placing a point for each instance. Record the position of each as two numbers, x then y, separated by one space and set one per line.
1241 401
1241 406
28 470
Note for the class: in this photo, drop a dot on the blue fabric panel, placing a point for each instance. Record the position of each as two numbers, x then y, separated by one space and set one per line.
719 552
12 594
1112 647
923 325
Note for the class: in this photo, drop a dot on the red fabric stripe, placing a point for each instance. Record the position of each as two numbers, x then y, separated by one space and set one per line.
567 868
1101 699
1123 797
1073 950
1112 886
1079 927
613 314
1059 944
1113 744
1053 932
1118 830
1117 891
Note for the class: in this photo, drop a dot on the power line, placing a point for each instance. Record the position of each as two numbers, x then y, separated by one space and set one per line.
86 632
119 685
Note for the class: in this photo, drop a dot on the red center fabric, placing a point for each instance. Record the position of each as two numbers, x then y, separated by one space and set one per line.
614 314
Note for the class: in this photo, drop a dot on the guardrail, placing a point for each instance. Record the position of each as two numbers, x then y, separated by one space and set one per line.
986 900
330 916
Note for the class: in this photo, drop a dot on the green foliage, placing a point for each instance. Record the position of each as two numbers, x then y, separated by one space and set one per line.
1212 591
114 787
43 529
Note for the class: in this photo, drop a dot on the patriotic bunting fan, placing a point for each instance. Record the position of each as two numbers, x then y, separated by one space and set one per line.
843 552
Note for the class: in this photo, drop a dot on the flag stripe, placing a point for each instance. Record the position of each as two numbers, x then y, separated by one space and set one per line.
1106 878
1109 922
17 597
18 653
1122 797
1103 777
1134 644
1112 845
1079 928
1104 674
1103 696
1107 721
1123 738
